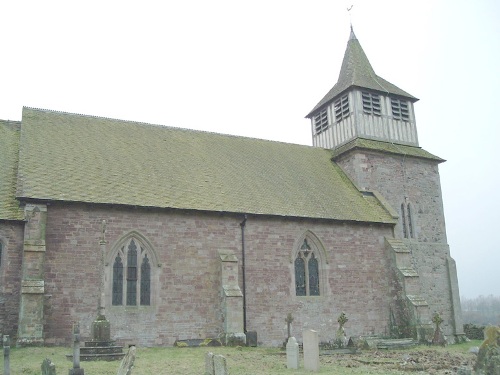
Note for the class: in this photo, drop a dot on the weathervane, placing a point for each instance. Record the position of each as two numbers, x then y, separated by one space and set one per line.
350 14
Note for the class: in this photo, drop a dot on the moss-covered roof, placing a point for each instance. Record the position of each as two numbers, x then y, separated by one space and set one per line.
387 147
70 157
356 71
9 147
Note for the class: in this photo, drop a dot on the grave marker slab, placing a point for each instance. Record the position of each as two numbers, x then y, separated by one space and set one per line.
48 368
311 350
209 363
127 363
292 353
220 367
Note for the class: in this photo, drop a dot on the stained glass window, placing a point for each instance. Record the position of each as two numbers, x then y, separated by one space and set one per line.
300 277
312 264
145 282
306 272
132 274
117 298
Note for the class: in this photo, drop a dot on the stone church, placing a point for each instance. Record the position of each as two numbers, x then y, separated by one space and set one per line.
178 234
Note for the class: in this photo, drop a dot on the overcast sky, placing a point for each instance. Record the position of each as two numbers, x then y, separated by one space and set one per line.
256 68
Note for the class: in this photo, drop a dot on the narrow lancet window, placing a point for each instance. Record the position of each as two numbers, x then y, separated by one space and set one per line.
145 282
117 298
132 274
313 276
410 224
403 219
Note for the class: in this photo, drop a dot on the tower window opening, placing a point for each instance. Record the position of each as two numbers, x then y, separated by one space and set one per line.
400 109
371 103
321 122
341 107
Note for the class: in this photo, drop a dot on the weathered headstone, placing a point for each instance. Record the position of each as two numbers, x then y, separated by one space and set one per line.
127 363
76 370
311 350
48 368
341 340
6 355
220 366
292 353
438 338
209 363
488 358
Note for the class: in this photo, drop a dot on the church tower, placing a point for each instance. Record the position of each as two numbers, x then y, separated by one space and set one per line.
369 123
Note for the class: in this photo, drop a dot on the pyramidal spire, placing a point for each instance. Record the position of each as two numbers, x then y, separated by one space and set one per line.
357 71
352 36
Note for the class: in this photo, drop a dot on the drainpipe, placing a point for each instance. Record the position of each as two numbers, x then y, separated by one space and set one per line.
242 225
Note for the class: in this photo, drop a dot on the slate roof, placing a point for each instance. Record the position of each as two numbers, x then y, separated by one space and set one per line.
9 145
70 157
356 71
387 147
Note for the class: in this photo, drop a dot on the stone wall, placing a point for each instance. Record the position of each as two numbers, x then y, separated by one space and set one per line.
187 284
11 237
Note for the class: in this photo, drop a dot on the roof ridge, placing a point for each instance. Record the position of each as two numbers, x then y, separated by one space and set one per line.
161 126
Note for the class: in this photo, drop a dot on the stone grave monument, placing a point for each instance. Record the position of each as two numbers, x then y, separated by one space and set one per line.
292 353
311 350
48 368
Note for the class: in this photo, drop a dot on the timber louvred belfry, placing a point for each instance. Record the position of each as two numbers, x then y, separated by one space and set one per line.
352 224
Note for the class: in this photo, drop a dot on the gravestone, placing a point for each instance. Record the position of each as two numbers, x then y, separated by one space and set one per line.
438 338
76 370
48 368
220 367
127 363
292 353
6 355
488 357
341 340
311 350
209 363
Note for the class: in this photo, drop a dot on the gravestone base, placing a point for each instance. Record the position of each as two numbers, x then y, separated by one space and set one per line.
76 371
235 339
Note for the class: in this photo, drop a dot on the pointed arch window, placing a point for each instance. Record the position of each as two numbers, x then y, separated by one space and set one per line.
307 280
131 275
407 221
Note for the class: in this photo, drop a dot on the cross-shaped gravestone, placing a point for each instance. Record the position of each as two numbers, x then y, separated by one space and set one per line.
289 320
76 370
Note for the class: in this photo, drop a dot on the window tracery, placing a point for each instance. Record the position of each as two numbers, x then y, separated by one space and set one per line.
131 275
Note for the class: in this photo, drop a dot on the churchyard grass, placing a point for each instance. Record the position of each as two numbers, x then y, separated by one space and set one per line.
240 361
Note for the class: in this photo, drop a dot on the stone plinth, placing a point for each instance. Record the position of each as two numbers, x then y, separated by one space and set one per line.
101 330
